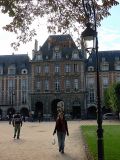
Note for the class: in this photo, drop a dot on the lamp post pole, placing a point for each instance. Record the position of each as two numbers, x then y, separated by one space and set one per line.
90 15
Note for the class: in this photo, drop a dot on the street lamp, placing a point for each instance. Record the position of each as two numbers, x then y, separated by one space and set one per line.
89 40
13 94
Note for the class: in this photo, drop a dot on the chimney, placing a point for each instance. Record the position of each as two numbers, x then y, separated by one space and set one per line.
36 45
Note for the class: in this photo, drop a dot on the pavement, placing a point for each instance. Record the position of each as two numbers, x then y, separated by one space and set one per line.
35 142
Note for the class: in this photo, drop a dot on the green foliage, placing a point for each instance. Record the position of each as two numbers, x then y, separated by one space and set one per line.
112 97
110 138
61 15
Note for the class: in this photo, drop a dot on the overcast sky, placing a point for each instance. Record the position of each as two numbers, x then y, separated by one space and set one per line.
108 35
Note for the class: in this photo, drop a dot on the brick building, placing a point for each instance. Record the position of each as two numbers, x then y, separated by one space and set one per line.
58 71
14 83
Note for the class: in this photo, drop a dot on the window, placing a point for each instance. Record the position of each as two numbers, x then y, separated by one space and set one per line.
37 69
91 97
46 85
38 84
1 91
118 78
75 55
105 81
24 90
12 70
67 85
117 66
105 67
75 68
39 57
1 70
57 56
46 69
57 68
75 84
57 85
116 58
90 60
90 82
103 59
56 53
90 68
24 71
11 88
67 68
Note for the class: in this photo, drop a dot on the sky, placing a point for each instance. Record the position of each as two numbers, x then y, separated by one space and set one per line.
108 35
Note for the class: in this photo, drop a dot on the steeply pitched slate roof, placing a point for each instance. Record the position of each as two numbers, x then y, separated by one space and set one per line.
108 55
58 39
20 61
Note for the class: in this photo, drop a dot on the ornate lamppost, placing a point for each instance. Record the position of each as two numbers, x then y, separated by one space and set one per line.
89 41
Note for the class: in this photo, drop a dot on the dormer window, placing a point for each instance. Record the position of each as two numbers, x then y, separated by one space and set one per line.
1 70
103 59
11 70
117 66
116 58
75 55
90 59
56 53
24 71
39 57
90 68
57 49
105 67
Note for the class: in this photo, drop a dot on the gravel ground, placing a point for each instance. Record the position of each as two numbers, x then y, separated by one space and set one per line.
35 142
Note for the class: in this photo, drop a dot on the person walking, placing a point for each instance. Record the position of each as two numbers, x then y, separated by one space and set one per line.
62 129
17 124
10 117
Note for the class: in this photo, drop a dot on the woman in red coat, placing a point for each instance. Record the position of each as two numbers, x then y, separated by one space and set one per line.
62 129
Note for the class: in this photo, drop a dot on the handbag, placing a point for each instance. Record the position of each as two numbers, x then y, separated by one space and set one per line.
53 140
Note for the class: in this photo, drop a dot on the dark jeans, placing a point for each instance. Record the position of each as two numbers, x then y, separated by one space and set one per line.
17 130
61 140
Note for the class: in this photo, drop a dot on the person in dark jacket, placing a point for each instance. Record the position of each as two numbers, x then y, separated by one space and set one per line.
17 123
62 129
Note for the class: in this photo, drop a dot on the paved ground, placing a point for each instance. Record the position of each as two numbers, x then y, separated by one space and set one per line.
36 142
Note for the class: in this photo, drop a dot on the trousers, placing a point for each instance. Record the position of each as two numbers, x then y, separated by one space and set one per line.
61 140
17 130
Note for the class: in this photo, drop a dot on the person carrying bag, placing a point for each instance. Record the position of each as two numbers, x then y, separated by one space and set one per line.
62 129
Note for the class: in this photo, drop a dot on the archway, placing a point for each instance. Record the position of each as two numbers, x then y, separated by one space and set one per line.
24 111
76 110
106 110
92 112
0 114
54 107
10 111
38 109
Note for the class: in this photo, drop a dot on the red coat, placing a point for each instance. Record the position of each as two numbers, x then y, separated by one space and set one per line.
61 126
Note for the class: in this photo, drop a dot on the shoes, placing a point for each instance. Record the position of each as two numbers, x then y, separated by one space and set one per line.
17 137
62 151
14 136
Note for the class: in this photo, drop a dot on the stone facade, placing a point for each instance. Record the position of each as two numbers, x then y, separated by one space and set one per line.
58 75
58 71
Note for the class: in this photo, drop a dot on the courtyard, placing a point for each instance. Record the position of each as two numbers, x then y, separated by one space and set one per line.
36 141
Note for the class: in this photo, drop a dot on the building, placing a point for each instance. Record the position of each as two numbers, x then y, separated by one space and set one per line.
14 84
58 73
109 64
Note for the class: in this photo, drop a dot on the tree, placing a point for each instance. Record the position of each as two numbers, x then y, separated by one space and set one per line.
61 15
112 97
